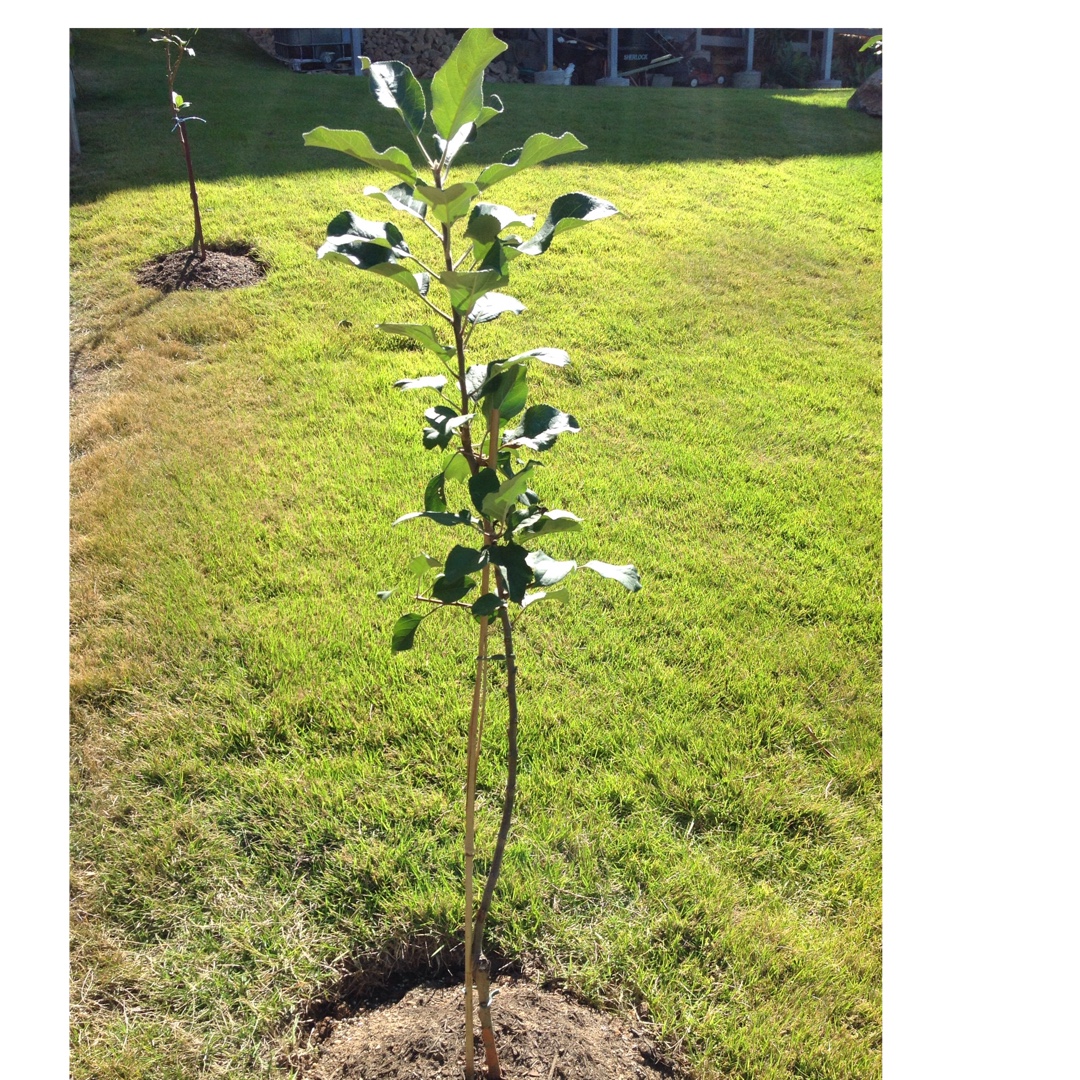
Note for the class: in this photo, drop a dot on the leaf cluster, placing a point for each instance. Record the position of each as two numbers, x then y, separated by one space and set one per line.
483 420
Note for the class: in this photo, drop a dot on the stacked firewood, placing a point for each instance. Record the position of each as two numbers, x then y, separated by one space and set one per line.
425 52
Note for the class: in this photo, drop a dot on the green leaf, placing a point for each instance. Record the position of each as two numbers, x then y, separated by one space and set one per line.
627 576
486 606
550 521
442 423
351 227
457 468
562 595
400 197
487 220
511 560
467 288
484 483
448 204
498 257
494 304
539 147
425 382
422 565
567 212
462 517
425 335
540 427
490 110
457 90
448 150
497 503
385 594
405 632
548 571
435 493
506 392
395 87
375 258
555 357
464 560
449 591
356 144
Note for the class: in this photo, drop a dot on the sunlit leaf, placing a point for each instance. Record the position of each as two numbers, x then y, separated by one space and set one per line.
548 571
356 144
539 147
395 87
627 576
457 89
567 212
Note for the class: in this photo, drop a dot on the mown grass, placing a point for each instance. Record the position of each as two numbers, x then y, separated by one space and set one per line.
260 791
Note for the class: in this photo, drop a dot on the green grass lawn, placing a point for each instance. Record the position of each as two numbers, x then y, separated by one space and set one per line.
262 792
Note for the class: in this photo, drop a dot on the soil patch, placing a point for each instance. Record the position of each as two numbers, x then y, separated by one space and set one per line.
230 266
540 1034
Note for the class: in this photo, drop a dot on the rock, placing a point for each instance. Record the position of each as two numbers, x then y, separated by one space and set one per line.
867 98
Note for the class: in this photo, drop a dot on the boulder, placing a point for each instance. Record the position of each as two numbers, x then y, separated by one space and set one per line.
867 98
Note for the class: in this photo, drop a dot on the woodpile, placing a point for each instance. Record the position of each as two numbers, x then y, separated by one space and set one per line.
425 51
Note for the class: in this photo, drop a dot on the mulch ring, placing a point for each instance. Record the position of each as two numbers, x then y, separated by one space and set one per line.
540 1034
226 266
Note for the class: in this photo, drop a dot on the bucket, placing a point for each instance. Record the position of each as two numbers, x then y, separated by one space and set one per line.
554 77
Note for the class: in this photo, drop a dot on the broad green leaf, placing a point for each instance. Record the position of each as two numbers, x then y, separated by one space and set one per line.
496 504
483 484
562 595
487 220
486 606
448 204
457 90
462 517
467 288
405 632
422 565
497 258
548 571
510 558
356 144
464 560
374 257
449 150
627 576
567 212
435 493
550 521
555 357
442 423
348 226
490 110
494 304
400 197
385 594
540 427
506 391
450 591
539 147
425 335
395 87
457 468
425 382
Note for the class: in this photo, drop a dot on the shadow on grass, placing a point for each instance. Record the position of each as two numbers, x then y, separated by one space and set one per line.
256 111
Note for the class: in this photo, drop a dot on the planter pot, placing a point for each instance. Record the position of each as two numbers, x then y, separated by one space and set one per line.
746 80
826 84
613 80
661 80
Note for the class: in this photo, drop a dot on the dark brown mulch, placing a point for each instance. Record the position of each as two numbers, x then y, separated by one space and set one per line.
540 1034
225 267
